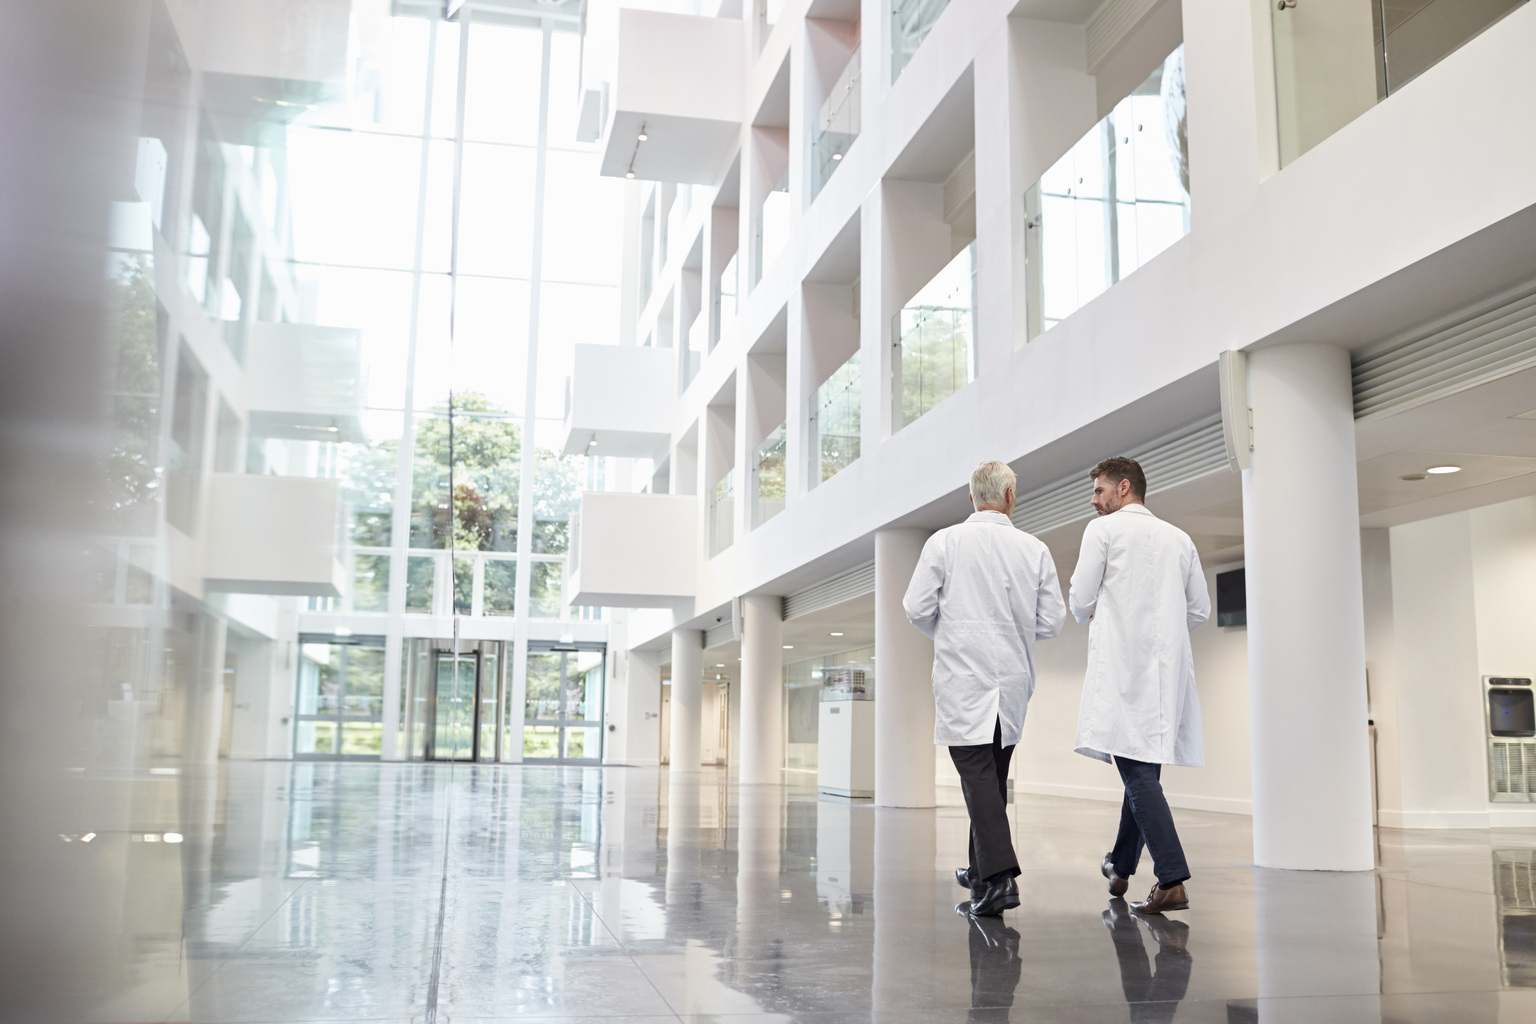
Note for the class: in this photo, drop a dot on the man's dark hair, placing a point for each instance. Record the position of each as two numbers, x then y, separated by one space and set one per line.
1121 468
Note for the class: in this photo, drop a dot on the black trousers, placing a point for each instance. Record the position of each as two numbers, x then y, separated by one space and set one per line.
984 781
1145 820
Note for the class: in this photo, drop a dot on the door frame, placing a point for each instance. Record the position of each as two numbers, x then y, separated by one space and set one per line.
435 675
565 649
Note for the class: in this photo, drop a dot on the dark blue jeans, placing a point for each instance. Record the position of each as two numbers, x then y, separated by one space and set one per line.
1145 820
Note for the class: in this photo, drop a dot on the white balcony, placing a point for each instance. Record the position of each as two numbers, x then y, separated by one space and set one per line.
620 402
305 383
273 535
634 550
679 78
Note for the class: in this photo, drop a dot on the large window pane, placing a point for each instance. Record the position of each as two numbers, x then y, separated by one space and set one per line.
583 217
389 85
503 78
367 471
363 682
500 587
487 450
544 592
420 583
570 315
556 497
370 583
496 238
339 183
377 304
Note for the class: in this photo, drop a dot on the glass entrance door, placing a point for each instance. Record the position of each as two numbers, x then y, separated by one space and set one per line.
454 736
563 710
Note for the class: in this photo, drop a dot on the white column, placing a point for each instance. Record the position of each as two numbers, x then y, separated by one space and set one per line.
687 698
1306 616
903 679
393 643
762 685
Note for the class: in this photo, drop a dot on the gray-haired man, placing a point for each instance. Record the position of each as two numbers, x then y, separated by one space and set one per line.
985 591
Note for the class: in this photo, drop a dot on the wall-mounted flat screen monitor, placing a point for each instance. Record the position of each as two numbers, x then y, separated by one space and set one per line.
1512 712
1231 599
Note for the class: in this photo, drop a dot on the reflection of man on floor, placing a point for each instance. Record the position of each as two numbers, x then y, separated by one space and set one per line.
1153 995
995 969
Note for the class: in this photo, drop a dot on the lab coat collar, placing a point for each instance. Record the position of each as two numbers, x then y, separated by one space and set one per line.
1140 510
989 517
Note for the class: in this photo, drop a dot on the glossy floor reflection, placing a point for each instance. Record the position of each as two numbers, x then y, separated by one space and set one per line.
411 892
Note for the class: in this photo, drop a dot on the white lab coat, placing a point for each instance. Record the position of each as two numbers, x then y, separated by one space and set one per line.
1139 580
984 591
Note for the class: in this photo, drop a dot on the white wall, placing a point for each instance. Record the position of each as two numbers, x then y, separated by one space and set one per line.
1462 609
634 703
1046 763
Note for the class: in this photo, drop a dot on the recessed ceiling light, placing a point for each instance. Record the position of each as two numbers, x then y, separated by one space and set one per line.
834 634
837 156
592 443
629 174
642 136
721 665
1443 470
789 647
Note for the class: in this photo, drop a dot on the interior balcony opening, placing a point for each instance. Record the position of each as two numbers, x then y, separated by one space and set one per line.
720 468
772 215
724 269
911 21
1335 61
1116 199
831 362
765 423
833 110
693 323
935 339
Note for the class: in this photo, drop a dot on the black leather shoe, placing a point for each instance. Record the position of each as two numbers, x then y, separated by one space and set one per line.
998 897
1117 885
963 877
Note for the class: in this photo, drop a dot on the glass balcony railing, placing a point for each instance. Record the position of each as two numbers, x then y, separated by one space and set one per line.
837 125
725 298
768 477
722 514
692 355
935 340
772 226
1336 60
835 419
1118 198
911 21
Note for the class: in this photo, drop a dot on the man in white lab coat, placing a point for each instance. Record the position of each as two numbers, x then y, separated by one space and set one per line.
1139 581
985 591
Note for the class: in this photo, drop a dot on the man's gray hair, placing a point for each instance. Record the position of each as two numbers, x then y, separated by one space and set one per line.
990 483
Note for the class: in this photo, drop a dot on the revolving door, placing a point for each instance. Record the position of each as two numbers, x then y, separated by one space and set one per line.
453 699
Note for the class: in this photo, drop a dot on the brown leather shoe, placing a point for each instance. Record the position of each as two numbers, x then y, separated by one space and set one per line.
1160 900
1117 885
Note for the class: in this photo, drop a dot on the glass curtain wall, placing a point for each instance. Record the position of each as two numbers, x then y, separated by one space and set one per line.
1118 198
369 267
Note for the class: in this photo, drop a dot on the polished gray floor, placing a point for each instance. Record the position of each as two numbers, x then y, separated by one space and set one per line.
331 892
